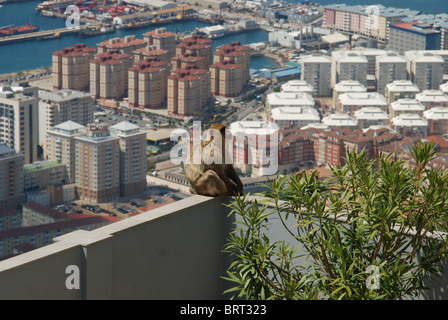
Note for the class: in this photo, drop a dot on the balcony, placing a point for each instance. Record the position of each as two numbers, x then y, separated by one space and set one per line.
171 252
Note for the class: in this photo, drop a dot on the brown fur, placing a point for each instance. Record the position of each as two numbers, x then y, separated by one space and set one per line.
213 179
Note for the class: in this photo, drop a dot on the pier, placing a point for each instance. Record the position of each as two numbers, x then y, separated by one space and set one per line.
36 35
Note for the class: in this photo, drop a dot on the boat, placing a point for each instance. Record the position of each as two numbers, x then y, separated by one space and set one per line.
83 33
55 35
13 30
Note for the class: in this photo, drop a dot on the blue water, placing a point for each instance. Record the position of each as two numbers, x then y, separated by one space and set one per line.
35 54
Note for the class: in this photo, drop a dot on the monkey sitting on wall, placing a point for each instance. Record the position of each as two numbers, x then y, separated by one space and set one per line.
214 179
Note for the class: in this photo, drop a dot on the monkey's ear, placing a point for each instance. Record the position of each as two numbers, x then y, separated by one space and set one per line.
220 127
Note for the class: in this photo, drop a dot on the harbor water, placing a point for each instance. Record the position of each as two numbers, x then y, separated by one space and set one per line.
34 54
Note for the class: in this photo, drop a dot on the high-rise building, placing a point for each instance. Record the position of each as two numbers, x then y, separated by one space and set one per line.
413 36
132 141
97 157
125 45
61 145
109 74
196 46
71 67
19 120
11 173
238 54
425 69
316 70
148 84
188 90
389 67
188 59
56 107
162 40
348 65
226 79
150 51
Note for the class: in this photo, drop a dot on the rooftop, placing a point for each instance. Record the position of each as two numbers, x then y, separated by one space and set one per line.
402 85
362 98
290 99
339 119
370 113
436 113
409 120
410 105
295 113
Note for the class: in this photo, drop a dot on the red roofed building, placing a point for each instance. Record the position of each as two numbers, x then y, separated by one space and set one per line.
71 67
226 79
163 40
147 84
108 74
196 46
126 45
188 90
34 213
236 53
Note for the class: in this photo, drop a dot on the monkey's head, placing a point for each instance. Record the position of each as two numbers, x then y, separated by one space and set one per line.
220 127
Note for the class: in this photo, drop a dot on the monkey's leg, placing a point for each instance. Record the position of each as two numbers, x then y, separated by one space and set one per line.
210 184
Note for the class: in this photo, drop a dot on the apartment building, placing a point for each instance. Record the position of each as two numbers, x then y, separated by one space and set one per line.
162 40
226 79
425 69
150 51
346 87
11 173
288 99
39 175
316 70
238 54
70 67
410 125
126 45
188 60
370 116
413 36
368 21
19 120
389 68
400 89
294 149
34 214
297 86
437 119
341 121
97 158
402 106
432 98
109 74
147 84
348 65
188 91
352 101
196 46
132 142
56 107
61 147
294 117
10 218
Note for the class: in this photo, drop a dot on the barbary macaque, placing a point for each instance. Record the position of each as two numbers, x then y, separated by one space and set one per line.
212 179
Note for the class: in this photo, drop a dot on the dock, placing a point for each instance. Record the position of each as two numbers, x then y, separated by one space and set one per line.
36 35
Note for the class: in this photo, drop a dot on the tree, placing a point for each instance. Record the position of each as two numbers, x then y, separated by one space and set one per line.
369 232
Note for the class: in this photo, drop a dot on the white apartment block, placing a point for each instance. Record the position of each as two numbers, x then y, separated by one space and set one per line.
402 106
316 70
432 98
425 69
297 86
61 145
353 101
345 87
409 124
389 68
19 120
132 140
348 65
288 99
400 89
56 107
294 117
340 120
370 116
437 119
